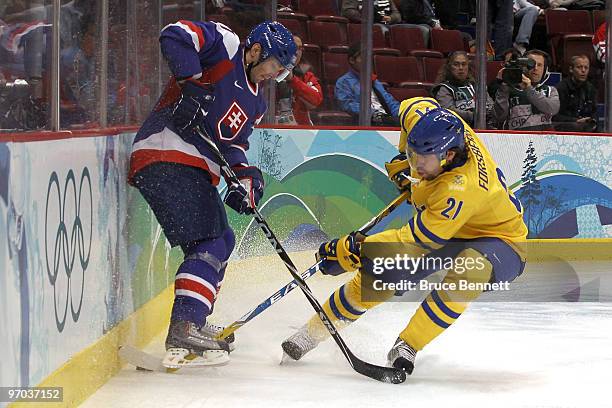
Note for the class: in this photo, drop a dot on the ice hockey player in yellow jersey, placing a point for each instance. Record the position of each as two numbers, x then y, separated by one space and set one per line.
463 210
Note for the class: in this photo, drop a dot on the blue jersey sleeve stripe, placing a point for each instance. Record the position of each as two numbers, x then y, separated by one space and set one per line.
433 237
347 305
416 238
440 303
430 313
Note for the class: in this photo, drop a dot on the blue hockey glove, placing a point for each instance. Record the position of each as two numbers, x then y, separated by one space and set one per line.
340 255
245 196
192 107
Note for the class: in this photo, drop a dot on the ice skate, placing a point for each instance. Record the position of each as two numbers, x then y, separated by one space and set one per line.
186 345
299 344
213 328
402 356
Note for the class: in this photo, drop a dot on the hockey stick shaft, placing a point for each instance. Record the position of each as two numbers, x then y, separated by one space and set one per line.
386 374
279 294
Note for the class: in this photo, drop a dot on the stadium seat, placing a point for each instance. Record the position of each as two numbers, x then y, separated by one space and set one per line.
378 37
396 69
493 68
416 85
599 17
577 44
325 33
401 94
296 27
332 118
318 7
312 54
334 66
431 67
560 23
406 39
447 41
332 19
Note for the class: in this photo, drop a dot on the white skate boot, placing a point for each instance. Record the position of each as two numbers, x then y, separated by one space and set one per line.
213 328
402 356
299 343
186 345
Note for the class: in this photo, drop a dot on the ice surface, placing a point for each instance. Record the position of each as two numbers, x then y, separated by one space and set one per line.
496 355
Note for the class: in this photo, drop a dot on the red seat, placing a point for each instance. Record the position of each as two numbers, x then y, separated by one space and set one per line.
312 55
332 19
296 27
447 41
319 7
334 66
493 68
396 69
560 23
378 37
431 67
325 34
577 44
426 53
416 85
332 118
401 94
386 51
599 17
406 39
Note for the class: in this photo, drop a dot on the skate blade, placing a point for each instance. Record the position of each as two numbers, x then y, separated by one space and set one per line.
285 359
182 358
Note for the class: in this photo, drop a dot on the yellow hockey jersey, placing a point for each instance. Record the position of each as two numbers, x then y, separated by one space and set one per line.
468 201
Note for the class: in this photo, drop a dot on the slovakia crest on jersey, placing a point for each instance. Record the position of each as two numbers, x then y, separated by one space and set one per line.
232 122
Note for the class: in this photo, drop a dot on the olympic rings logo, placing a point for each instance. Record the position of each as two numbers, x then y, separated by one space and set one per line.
68 232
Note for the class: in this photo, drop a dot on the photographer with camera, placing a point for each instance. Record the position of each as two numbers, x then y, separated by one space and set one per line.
578 96
523 101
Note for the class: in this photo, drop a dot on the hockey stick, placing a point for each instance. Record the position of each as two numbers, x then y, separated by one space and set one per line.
279 294
380 373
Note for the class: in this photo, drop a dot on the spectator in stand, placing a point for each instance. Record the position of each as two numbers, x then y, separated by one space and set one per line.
447 10
385 108
494 85
420 14
456 89
299 93
576 4
530 104
385 11
501 18
599 42
527 14
578 96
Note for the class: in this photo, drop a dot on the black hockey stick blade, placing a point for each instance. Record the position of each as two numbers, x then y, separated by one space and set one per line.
390 375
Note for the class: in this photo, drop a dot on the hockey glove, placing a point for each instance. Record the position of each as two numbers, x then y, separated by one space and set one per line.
245 196
398 171
192 107
340 255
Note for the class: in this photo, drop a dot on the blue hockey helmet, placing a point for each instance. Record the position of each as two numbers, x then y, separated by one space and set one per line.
437 131
276 41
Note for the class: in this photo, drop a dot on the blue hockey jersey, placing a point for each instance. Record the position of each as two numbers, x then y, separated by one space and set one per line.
209 52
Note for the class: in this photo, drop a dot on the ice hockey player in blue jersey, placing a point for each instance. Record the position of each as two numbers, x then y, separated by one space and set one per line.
215 86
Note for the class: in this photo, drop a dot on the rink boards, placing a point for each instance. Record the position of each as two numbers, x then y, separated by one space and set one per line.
85 267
